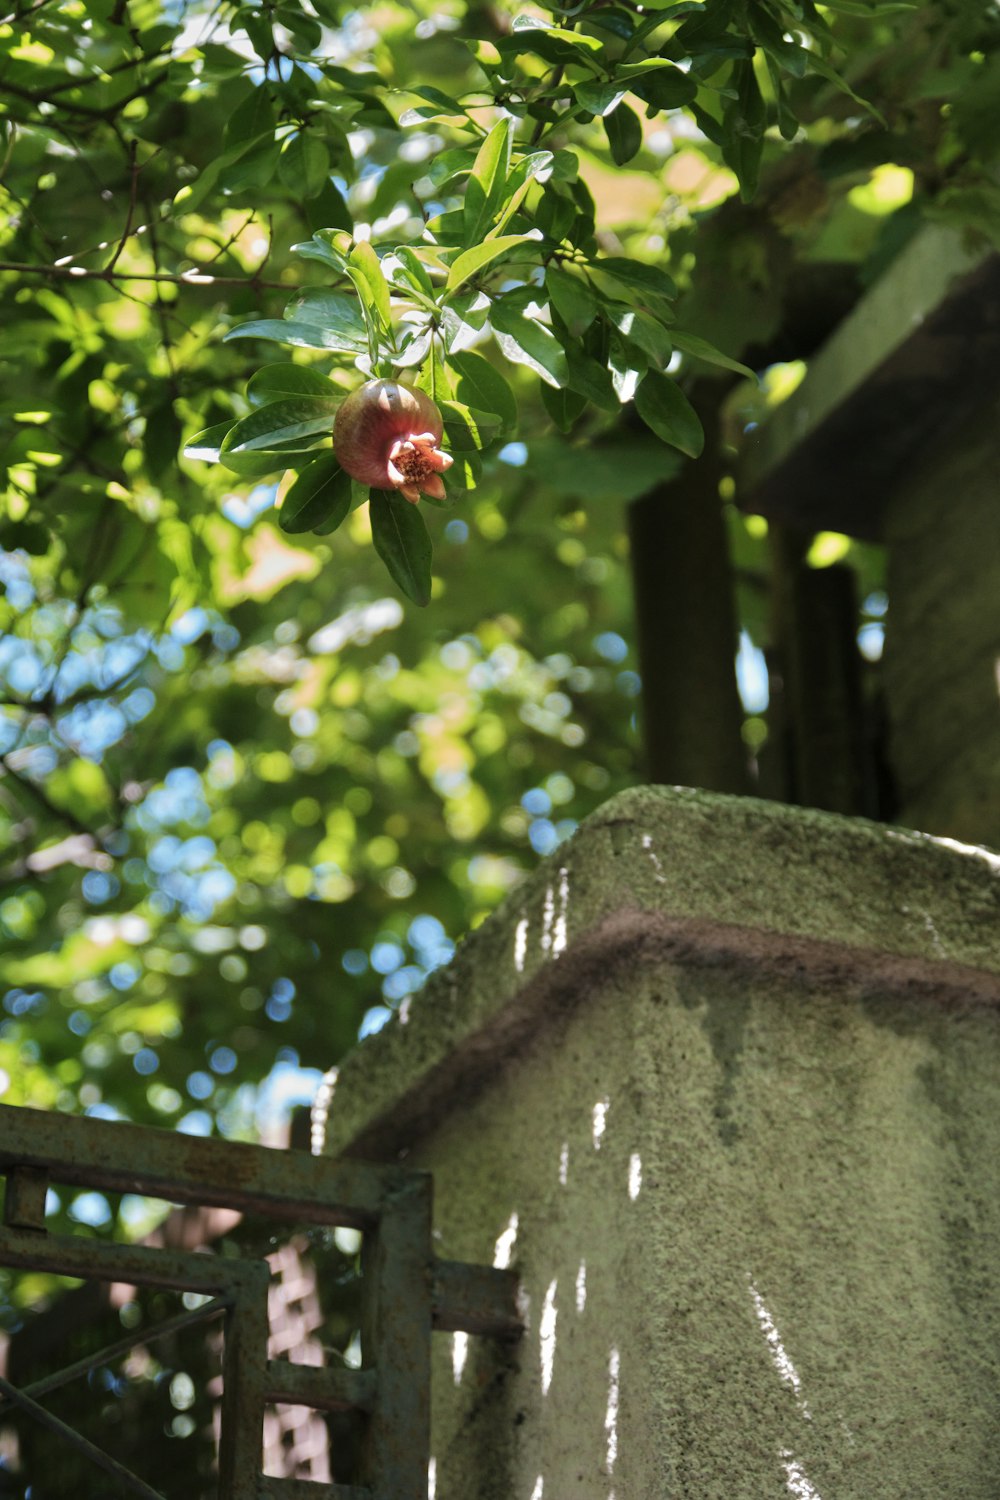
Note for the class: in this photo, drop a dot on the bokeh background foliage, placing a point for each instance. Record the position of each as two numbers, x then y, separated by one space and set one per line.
249 794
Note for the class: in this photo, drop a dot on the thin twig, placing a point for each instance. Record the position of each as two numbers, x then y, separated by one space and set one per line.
22 15
86 111
25 784
182 278
133 186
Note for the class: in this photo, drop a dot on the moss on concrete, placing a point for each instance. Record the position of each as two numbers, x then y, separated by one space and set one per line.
722 1080
679 873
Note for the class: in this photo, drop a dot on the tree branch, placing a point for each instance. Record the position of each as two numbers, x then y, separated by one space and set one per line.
86 111
25 784
181 278
133 185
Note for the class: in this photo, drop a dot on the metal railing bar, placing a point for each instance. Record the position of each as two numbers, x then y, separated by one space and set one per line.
141 1265
241 1431
104 1356
320 1386
475 1299
116 1156
97 1456
396 1340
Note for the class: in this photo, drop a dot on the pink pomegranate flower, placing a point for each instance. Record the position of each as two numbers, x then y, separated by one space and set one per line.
388 435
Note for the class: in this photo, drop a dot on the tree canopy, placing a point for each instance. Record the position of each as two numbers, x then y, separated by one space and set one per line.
252 791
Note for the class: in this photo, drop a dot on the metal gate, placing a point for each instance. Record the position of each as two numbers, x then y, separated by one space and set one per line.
406 1290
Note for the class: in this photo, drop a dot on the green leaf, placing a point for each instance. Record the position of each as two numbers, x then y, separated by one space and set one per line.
565 166
591 379
470 261
661 88
487 180
463 319
481 386
648 281
744 123
743 154
285 421
792 58
564 407
299 335
422 114
572 299
258 29
464 439
204 445
319 500
555 45
262 462
306 31
401 540
627 367
254 168
572 46
447 229
272 382
369 278
624 133
304 165
825 70
599 98
666 410
526 341
555 215
618 22
334 312
486 56
449 164
528 170
252 119
414 270
320 248
436 96
462 421
328 209
700 348
640 329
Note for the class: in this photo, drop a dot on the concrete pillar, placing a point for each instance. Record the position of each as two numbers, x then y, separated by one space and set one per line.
942 652
722 1080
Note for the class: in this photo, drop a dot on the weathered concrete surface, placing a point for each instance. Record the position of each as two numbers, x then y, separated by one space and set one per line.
942 654
723 1080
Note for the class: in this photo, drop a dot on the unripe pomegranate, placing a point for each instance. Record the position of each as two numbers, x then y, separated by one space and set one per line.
388 435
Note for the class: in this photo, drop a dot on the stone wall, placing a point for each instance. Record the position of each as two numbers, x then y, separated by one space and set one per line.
723 1082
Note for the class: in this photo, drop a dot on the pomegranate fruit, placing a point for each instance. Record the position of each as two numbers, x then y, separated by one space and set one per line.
388 435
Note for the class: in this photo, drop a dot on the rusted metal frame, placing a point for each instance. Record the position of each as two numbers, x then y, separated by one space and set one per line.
405 1291
97 1456
322 1387
94 1260
243 1285
24 1200
396 1269
241 1438
122 1158
475 1299
290 1185
139 1336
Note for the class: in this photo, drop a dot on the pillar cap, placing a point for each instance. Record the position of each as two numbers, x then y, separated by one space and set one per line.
674 875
